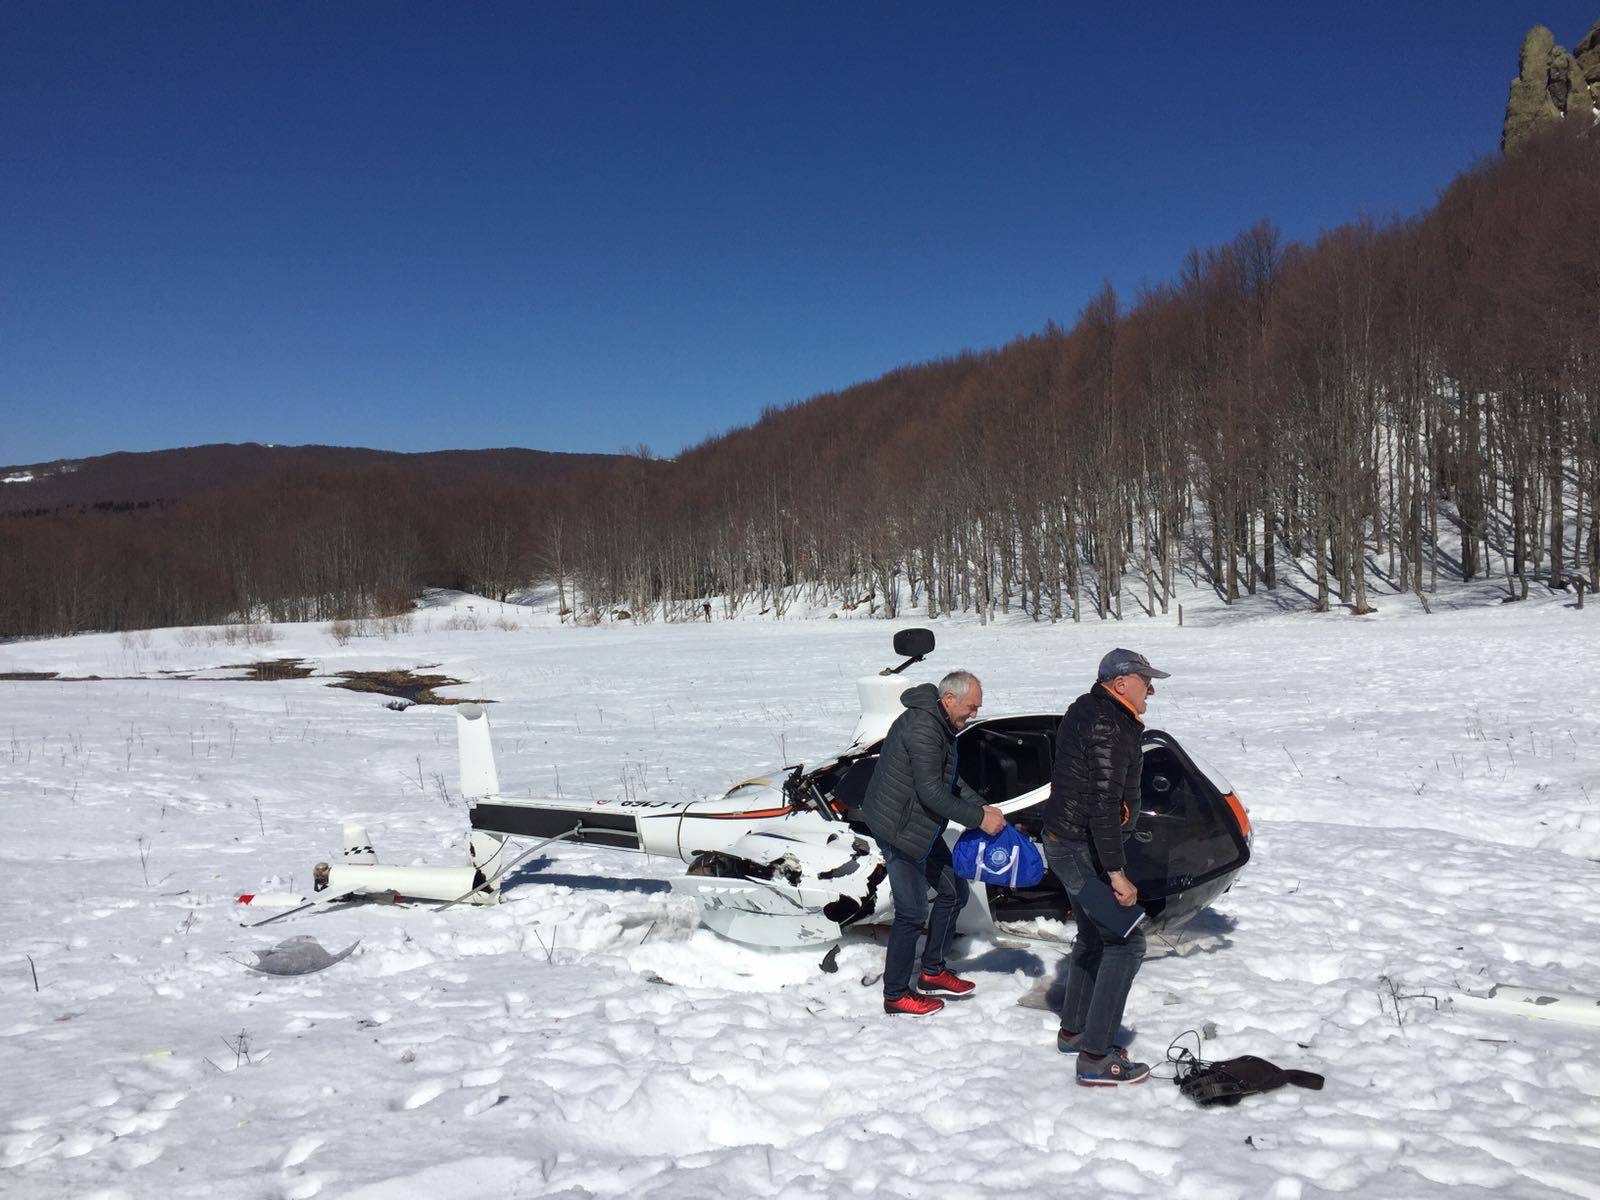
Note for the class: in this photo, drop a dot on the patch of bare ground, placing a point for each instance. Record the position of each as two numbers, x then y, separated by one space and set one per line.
406 686
272 670
403 685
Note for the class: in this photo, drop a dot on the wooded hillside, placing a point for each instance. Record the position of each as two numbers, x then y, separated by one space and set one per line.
1332 402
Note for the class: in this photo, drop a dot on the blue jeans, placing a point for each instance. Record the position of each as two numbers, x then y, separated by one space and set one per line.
909 880
1102 967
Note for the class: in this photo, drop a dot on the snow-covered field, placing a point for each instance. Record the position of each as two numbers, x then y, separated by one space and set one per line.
1426 792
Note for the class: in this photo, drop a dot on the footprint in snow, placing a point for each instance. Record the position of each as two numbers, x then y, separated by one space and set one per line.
165 1101
302 1189
302 1149
122 1122
132 1155
483 1103
27 1147
78 1144
430 1091
425 1094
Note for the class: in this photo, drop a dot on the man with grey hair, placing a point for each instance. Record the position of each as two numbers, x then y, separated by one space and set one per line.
1094 792
915 792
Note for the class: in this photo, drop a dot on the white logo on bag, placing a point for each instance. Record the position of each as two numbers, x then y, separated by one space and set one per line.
998 862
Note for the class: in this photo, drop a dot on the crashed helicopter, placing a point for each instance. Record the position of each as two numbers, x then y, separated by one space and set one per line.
784 859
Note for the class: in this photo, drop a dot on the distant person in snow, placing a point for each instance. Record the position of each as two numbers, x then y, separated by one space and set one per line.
913 795
1094 792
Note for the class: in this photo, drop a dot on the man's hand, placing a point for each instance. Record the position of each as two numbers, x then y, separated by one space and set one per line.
993 820
1127 895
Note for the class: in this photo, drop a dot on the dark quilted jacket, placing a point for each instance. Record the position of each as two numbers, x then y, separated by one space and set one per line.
1099 753
908 801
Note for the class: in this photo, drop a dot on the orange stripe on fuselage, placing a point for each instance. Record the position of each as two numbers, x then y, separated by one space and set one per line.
741 816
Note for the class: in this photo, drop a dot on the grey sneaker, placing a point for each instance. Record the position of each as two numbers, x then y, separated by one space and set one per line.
1113 1070
1071 1043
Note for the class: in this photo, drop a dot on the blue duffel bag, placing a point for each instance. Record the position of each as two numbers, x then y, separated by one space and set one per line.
1006 859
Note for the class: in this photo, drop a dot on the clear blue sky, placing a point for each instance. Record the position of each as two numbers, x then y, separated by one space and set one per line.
582 226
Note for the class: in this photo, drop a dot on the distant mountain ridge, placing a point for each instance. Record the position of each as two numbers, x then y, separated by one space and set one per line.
136 479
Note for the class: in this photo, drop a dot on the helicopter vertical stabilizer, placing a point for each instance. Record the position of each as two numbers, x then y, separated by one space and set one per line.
478 777
880 705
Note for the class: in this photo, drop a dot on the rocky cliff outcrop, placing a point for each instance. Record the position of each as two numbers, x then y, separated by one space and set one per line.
1552 84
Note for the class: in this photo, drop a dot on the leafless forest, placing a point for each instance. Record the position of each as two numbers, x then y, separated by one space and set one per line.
1393 405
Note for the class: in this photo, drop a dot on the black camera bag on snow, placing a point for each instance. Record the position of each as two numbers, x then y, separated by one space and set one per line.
1231 1080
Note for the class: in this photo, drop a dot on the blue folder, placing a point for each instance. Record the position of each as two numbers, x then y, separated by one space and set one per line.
1099 903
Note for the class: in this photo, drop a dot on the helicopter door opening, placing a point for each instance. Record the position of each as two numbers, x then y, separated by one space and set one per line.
1003 760
1008 757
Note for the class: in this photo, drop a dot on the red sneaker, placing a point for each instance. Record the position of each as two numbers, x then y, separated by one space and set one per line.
913 1005
946 983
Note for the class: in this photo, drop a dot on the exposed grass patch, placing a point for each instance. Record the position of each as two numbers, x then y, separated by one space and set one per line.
403 685
273 670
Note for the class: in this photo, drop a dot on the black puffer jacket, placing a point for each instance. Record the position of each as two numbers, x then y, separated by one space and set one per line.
1099 753
909 801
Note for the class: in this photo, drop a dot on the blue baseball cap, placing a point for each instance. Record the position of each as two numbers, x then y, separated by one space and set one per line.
1127 662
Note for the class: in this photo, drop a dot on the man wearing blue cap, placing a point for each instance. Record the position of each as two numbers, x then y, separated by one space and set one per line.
1094 790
